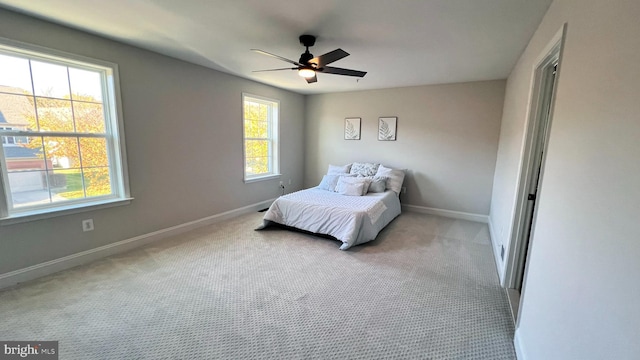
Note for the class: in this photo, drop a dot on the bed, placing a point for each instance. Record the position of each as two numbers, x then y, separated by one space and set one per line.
352 218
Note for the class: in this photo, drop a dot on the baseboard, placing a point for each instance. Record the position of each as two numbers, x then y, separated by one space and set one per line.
447 213
496 252
517 344
49 267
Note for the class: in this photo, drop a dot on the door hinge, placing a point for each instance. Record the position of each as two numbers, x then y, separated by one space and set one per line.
531 197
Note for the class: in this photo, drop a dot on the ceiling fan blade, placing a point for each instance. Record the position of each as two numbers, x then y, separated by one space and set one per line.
329 57
276 56
312 80
340 71
275 69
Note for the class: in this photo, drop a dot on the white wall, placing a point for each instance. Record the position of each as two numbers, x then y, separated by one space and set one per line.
447 138
183 128
580 299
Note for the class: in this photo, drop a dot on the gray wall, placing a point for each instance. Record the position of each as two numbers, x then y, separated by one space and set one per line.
580 299
447 138
183 128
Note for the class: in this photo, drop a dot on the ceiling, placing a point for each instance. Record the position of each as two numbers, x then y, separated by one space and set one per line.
399 43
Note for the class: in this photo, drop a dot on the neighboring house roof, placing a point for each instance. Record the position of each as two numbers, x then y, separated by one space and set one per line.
13 107
20 152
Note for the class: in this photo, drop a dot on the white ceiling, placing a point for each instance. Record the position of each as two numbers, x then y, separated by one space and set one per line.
399 43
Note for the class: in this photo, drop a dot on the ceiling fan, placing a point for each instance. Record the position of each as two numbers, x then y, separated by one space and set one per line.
308 65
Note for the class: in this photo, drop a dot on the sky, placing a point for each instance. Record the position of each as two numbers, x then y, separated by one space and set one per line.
48 79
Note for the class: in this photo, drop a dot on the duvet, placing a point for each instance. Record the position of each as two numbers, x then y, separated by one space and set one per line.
351 219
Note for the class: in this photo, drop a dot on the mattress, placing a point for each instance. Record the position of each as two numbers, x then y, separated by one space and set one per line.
351 219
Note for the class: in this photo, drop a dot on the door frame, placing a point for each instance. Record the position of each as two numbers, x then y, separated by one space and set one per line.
552 52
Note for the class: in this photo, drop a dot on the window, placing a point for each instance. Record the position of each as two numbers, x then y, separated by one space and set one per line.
260 138
60 131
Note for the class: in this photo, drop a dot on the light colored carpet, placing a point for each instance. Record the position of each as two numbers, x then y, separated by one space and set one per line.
427 288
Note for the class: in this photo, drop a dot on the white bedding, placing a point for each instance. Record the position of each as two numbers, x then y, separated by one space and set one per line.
350 219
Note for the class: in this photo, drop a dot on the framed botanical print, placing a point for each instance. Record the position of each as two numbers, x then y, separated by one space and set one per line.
387 128
352 129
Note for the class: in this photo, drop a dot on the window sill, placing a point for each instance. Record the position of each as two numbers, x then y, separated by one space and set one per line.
61 211
262 178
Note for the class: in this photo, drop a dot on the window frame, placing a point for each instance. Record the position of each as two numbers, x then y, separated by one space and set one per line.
273 138
114 136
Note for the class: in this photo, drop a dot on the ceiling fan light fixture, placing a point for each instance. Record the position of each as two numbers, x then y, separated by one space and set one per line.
306 73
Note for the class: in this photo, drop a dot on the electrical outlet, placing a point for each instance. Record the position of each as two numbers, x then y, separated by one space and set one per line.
87 225
281 182
289 181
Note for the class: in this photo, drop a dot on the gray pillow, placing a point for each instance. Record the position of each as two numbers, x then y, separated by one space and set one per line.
350 189
378 184
395 178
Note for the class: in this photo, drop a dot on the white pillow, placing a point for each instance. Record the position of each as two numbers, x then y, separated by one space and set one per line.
363 169
351 189
338 169
329 182
395 178
352 186
378 184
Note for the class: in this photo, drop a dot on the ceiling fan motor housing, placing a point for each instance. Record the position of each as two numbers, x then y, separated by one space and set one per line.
304 58
307 41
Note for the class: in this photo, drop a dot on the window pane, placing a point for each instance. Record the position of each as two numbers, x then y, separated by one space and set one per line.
15 76
50 80
62 152
25 157
28 188
97 181
66 184
26 169
251 111
54 115
257 166
256 129
17 111
257 148
85 85
89 117
264 112
93 152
